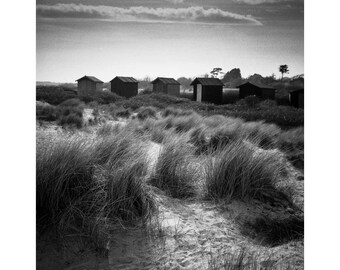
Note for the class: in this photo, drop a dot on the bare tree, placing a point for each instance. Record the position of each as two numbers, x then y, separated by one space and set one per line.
283 69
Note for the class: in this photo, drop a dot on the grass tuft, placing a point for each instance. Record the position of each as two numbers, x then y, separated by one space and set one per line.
174 171
237 171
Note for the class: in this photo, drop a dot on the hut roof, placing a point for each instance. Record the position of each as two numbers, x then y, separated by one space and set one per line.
208 81
91 78
262 86
166 80
126 79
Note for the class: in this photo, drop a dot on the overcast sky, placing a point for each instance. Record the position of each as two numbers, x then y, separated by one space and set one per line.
170 38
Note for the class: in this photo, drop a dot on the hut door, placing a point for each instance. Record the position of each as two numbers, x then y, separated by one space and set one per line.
199 93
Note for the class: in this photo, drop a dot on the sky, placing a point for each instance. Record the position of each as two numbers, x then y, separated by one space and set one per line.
167 38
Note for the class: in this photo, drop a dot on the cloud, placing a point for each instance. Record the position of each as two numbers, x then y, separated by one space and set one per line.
258 2
175 1
145 14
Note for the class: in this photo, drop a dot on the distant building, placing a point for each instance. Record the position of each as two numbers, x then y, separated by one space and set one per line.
167 86
124 86
208 90
296 98
88 85
252 89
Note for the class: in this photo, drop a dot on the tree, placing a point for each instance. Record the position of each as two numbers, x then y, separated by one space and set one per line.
283 69
216 71
231 75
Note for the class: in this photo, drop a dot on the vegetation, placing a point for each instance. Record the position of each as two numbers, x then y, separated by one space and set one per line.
272 232
84 184
146 112
283 69
99 177
52 94
174 172
102 97
237 172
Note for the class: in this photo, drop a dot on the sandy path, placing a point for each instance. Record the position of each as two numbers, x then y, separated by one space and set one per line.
195 234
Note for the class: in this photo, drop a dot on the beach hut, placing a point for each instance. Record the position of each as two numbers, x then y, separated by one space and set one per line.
208 90
88 85
124 86
261 91
166 85
296 98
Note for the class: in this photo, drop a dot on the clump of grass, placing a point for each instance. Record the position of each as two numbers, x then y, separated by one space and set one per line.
291 139
236 171
108 129
70 112
174 173
272 232
71 119
86 183
185 123
291 142
146 112
171 111
244 259
45 111
265 134
122 112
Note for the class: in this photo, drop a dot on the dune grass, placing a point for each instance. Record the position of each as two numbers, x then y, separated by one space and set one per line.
85 183
244 259
237 172
273 231
174 172
146 112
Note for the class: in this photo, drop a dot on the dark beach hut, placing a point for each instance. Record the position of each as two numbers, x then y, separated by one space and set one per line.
261 91
124 86
208 90
166 85
88 85
296 98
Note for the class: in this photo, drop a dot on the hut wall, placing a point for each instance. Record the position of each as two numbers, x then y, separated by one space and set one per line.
98 86
268 94
301 102
173 89
86 87
248 90
212 93
158 87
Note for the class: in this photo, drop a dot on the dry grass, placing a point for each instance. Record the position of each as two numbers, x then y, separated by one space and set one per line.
84 181
237 172
174 172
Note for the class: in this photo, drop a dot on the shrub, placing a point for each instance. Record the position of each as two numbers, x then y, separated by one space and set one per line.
252 101
238 172
146 112
173 171
70 112
102 97
52 94
45 111
73 102
71 118
122 112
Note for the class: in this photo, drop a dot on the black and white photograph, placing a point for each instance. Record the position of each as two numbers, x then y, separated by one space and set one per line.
169 134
